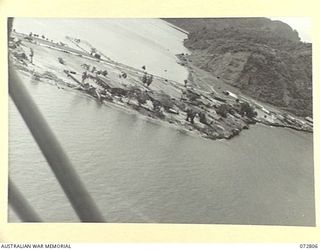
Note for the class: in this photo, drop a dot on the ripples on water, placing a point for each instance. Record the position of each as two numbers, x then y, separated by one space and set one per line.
139 171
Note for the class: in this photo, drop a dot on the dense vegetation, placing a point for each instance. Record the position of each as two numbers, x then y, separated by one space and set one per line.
264 59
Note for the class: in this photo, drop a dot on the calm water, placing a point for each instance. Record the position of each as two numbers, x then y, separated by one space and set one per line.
138 171
134 42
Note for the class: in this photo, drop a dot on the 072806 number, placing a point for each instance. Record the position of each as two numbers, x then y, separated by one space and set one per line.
308 245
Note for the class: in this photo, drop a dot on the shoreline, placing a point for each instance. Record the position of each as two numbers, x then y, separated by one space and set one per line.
189 109
285 119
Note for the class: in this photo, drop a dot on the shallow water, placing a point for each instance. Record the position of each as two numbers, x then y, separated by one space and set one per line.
134 42
139 171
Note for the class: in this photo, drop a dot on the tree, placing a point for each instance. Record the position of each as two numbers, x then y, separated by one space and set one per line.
247 110
93 51
222 110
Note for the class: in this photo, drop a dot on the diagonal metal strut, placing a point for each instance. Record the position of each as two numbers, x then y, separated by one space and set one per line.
59 162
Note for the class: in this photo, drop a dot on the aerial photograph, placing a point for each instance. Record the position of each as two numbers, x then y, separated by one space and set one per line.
161 120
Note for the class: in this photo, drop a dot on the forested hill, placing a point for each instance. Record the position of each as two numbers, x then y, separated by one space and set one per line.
263 58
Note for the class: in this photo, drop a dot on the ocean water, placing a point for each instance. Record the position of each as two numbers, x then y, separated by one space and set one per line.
140 171
134 42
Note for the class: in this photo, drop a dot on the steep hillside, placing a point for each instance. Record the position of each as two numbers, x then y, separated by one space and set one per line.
263 58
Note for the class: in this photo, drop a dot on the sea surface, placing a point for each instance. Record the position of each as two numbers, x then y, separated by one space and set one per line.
135 42
140 171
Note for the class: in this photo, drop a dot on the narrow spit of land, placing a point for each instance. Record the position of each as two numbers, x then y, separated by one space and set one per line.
201 105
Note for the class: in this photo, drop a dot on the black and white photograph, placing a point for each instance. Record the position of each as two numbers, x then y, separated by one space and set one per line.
161 120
